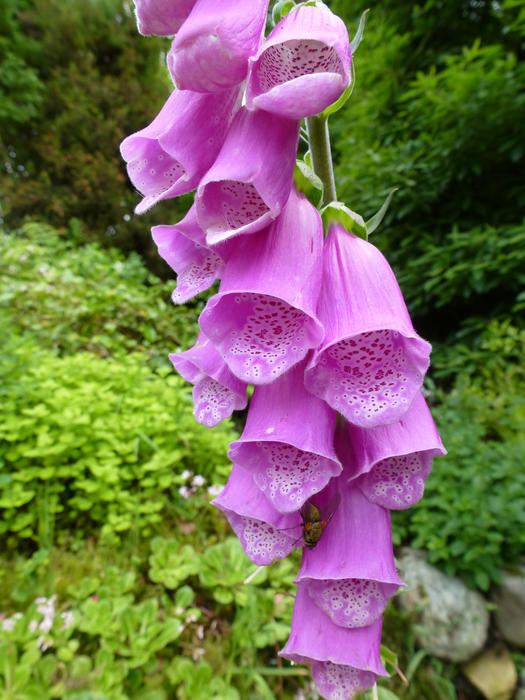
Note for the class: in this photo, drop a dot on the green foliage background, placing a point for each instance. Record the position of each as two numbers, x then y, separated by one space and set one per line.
99 504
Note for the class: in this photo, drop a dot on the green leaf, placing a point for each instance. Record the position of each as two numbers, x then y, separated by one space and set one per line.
378 217
358 37
337 212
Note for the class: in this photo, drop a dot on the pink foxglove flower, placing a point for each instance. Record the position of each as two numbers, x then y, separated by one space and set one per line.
216 391
211 50
264 532
351 573
344 661
303 66
287 443
392 462
249 183
170 156
263 319
371 363
161 17
183 246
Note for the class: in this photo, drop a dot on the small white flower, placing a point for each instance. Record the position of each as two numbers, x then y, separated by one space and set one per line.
33 626
184 491
214 490
198 481
68 617
186 474
8 624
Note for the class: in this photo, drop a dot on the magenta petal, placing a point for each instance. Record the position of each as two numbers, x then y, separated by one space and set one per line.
287 443
211 50
315 638
249 183
392 462
161 17
265 534
216 392
263 319
183 247
351 573
169 156
372 362
303 66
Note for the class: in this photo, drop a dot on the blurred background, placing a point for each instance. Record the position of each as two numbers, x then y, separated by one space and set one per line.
117 579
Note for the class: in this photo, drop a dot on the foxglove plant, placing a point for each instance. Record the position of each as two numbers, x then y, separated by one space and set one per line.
337 432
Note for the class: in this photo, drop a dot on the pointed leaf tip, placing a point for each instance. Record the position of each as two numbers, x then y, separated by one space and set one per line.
359 33
378 217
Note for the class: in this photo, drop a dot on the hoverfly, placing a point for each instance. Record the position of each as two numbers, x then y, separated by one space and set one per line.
313 522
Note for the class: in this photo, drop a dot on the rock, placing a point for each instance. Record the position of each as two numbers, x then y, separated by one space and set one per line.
510 614
493 673
452 621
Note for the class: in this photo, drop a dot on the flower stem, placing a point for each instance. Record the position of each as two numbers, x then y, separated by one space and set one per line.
321 153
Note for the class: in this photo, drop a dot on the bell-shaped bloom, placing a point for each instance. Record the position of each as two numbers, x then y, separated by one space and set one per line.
303 65
249 183
216 391
288 442
351 573
344 661
264 532
211 51
161 17
263 319
371 363
183 246
169 156
391 463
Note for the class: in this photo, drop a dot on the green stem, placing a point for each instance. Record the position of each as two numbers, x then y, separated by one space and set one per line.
320 151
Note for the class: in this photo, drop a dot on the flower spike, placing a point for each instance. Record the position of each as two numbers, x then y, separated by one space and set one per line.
371 363
303 66
211 51
169 156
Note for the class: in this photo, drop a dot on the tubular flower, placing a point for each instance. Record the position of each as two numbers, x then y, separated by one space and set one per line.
351 573
170 156
263 319
161 17
249 183
216 391
371 363
303 66
264 532
287 443
183 247
344 661
211 51
392 462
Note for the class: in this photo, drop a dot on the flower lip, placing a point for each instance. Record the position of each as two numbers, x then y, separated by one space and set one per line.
303 66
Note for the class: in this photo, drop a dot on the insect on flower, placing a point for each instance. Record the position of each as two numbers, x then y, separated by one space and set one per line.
314 524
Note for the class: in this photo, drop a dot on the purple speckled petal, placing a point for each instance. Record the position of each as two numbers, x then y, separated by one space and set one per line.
161 17
183 246
303 66
316 640
287 443
216 391
263 319
211 51
265 534
372 362
169 156
391 463
249 183
351 572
